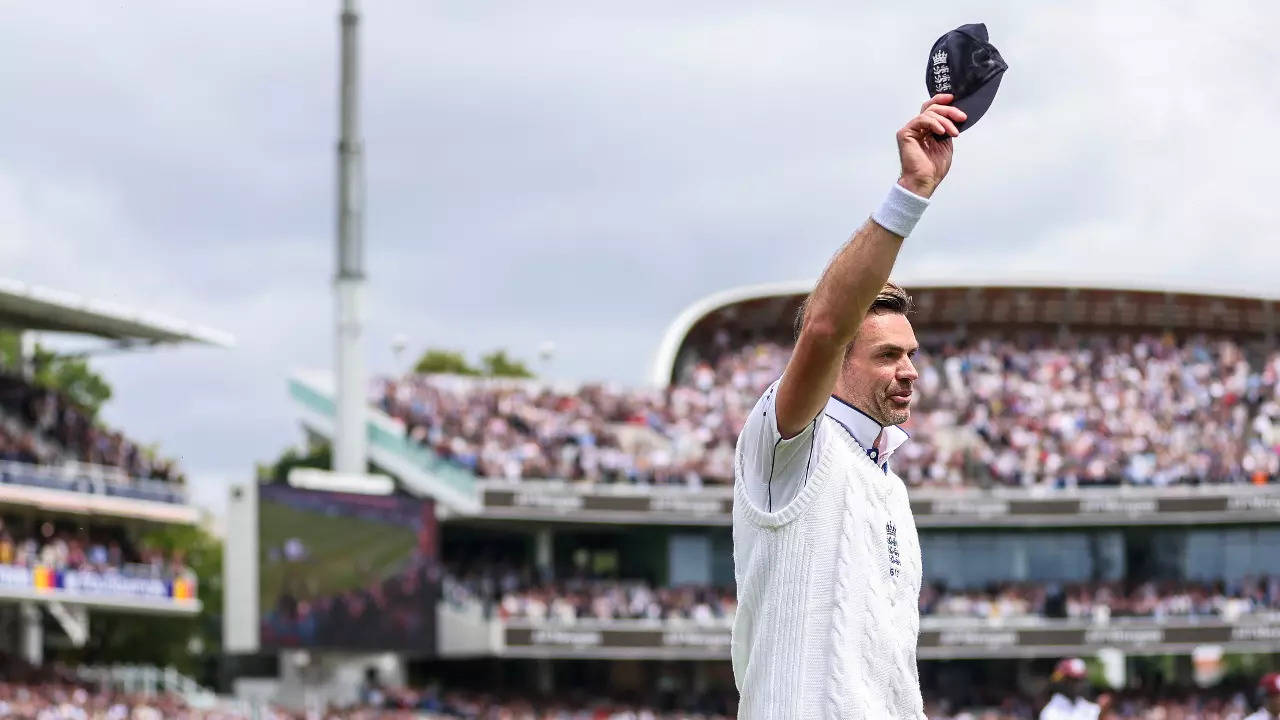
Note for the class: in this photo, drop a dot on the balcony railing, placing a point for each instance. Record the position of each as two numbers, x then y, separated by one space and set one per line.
91 479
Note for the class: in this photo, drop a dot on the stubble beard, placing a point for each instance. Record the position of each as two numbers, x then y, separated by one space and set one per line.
890 415
897 417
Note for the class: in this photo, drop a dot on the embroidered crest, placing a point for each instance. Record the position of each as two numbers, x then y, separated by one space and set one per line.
941 72
895 563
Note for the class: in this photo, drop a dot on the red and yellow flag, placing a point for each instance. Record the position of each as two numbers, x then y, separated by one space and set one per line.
183 589
43 578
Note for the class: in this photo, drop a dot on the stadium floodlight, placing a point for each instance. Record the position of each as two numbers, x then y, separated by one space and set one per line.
349 281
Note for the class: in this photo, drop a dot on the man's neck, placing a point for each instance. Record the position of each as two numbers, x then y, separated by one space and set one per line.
860 407
879 441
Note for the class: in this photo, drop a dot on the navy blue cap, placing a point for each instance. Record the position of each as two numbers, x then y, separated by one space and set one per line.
965 64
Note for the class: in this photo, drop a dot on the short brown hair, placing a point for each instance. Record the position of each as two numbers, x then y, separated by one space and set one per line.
892 298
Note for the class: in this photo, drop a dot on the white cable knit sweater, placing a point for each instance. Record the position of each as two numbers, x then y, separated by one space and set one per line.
828 587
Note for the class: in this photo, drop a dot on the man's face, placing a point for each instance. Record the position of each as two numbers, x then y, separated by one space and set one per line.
878 376
1273 704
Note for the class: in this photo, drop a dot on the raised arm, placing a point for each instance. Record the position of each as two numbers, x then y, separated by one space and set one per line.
851 281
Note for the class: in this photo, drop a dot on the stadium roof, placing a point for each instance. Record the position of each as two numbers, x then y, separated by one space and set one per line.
1145 307
30 307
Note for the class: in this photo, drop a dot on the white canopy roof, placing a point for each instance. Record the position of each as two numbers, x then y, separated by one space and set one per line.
31 307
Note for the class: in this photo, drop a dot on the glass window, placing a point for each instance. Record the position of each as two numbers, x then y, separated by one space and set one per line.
689 559
1232 553
969 559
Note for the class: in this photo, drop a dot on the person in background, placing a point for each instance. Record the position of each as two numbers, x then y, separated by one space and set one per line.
1070 686
1269 689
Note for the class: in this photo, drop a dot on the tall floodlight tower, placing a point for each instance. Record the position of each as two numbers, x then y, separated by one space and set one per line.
348 283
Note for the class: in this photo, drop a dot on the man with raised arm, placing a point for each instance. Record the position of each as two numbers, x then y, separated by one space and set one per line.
825 551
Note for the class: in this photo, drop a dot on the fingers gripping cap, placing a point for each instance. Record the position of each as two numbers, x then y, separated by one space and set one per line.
1270 684
964 64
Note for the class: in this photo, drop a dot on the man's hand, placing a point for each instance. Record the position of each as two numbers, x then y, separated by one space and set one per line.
924 145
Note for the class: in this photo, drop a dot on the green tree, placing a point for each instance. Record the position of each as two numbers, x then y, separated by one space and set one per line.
10 349
70 376
497 364
73 378
444 361
190 644
318 455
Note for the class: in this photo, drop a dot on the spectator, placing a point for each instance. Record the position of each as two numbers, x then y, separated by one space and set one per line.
80 548
511 594
1019 411
53 419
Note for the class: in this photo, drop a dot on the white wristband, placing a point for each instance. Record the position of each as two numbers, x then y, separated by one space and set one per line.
900 211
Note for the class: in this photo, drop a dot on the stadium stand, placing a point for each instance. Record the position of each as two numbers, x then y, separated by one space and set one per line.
570 600
506 596
64 696
1019 387
64 545
1092 469
1186 704
1025 411
78 500
53 430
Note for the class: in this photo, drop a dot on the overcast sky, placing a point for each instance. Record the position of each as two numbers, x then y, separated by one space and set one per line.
579 172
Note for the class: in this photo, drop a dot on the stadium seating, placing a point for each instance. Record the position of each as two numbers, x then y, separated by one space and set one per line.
1173 703
55 692
101 551
508 593
66 699
40 426
995 410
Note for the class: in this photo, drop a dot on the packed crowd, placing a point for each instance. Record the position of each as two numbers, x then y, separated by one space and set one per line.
52 416
1107 410
1102 601
384 613
60 547
433 703
73 701
521 429
1125 706
585 600
509 595
1101 410
53 692
16 447
509 592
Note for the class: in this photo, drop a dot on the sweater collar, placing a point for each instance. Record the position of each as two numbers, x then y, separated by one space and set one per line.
879 441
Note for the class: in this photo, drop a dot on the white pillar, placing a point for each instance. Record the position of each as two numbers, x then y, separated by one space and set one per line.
1021 562
27 350
349 430
349 438
700 680
545 676
543 553
32 634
